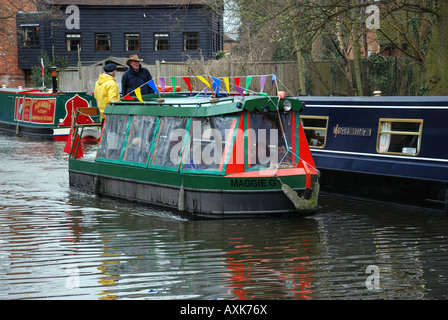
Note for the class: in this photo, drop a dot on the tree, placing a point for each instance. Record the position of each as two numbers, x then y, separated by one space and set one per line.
414 29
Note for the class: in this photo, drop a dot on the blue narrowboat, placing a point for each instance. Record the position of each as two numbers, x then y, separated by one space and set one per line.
389 148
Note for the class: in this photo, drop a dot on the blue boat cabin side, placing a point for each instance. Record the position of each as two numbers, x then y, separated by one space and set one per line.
397 142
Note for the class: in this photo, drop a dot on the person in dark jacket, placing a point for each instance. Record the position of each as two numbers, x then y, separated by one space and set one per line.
135 77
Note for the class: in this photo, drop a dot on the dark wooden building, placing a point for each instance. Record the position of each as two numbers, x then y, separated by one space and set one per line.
92 30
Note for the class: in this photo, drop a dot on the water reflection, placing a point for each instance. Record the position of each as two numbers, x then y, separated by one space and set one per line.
58 243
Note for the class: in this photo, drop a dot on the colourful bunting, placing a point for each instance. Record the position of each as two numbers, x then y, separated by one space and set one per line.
162 84
226 81
187 81
240 91
151 84
248 80
216 85
173 83
262 82
205 81
237 81
138 94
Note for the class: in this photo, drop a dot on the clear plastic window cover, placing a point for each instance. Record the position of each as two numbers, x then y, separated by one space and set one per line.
140 138
207 138
207 143
113 137
201 146
270 141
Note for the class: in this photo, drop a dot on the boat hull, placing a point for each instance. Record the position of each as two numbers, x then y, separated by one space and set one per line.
223 200
36 114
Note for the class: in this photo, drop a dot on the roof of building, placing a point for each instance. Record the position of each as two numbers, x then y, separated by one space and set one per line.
127 3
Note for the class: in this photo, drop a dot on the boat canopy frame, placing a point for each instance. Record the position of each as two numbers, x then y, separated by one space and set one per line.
237 110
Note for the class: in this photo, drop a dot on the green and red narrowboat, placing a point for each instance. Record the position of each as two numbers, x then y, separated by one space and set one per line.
38 114
209 157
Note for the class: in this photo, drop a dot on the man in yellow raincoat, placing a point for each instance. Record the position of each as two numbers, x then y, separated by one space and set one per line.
106 88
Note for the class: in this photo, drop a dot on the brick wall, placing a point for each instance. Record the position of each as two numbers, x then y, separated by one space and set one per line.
10 74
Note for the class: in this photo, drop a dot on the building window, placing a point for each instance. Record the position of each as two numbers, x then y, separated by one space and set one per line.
132 41
214 42
30 36
102 41
191 41
399 136
315 128
72 41
161 41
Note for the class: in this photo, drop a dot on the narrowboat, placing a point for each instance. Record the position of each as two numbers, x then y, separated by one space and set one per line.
46 115
208 157
385 148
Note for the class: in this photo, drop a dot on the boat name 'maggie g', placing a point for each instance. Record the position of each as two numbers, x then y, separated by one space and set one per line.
214 157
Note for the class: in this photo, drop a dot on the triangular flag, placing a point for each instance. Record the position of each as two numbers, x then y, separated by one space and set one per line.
216 85
152 85
162 84
262 82
237 81
69 143
187 81
173 83
226 81
273 78
248 80
128 97
240 91
205 81
138 94
42 67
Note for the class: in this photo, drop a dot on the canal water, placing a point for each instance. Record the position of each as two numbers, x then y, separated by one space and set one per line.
59 243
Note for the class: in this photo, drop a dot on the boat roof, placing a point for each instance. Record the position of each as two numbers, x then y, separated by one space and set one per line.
380 100
181 105
37 92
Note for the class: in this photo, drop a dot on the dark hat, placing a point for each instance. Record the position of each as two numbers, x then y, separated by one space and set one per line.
110 67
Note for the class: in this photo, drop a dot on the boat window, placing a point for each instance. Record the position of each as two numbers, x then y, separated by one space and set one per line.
169 142
266 140
113 136
315 128
208 138
399 136
140 137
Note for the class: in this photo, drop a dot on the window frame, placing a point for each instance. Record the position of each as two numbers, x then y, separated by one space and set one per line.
327 118
128 36
396 132
67 38
109 39
30 39
228 145
161 36
187 36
